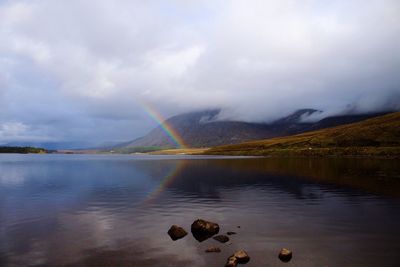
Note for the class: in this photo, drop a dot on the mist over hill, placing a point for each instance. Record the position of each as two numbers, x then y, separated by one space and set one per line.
204 129
378 136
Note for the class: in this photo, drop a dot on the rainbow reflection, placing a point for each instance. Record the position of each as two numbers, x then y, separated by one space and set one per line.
165 182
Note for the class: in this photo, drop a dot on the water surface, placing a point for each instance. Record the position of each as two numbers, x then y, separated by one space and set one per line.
109 210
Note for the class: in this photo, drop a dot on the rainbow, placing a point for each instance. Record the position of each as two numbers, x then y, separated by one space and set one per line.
167 127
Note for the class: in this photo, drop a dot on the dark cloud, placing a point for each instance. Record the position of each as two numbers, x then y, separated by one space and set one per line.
73 70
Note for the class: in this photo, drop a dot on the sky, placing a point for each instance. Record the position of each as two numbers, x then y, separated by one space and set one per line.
85 71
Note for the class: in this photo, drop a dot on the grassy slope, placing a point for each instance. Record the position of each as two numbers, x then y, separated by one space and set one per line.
379 136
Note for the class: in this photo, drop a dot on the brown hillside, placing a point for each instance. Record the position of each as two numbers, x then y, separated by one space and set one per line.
380 135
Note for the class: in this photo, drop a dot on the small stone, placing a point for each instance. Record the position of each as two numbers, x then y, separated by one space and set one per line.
231 233
221 238
213 249
203 230
285 255
238 226
231 262
241 256
176 232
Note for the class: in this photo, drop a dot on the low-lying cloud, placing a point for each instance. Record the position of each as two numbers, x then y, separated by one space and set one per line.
81 70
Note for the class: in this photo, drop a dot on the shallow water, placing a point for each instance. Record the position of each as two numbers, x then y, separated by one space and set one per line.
109 210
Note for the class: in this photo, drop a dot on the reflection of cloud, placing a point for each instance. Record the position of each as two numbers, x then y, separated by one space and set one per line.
102 236
37 255
11 176
108 229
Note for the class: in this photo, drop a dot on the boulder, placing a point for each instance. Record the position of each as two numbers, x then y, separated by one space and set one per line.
285 255
213 249
231 262
176 232
221 238
203 230
241 256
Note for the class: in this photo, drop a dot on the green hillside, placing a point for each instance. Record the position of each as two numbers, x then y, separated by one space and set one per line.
379 136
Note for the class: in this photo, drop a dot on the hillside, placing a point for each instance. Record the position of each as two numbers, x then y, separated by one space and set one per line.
202 129
198 129
378 136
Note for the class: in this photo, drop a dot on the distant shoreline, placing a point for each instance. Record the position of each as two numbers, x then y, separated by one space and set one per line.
344 152
23 150
333 152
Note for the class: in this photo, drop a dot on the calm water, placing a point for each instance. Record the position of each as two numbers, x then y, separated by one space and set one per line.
94 210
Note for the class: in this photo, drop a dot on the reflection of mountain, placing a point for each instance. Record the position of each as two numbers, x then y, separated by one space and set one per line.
204 178
203 129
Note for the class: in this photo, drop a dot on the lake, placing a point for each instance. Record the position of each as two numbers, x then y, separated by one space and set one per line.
115 210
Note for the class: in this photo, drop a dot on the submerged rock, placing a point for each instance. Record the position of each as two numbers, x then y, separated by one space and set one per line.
221 238
285 255
231 233
241 256
203 230
176 232
231 262
213 249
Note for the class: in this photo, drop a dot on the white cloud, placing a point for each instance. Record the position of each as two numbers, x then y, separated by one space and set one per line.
173 64
12 129
18 131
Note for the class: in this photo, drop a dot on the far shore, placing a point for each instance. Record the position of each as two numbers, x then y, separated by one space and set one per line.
180 151
343 152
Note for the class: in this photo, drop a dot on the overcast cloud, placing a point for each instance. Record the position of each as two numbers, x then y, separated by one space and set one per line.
79 70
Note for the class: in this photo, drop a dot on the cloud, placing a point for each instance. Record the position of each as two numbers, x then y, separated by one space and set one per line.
18 131
79 70
12 128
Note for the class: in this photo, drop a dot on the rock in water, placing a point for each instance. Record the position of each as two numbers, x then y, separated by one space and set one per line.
241 256
213 249
231 233
231 262
203 230
285 255
176 232
221 238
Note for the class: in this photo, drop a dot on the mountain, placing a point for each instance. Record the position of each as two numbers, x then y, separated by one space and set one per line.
379 136
199 129
203 129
